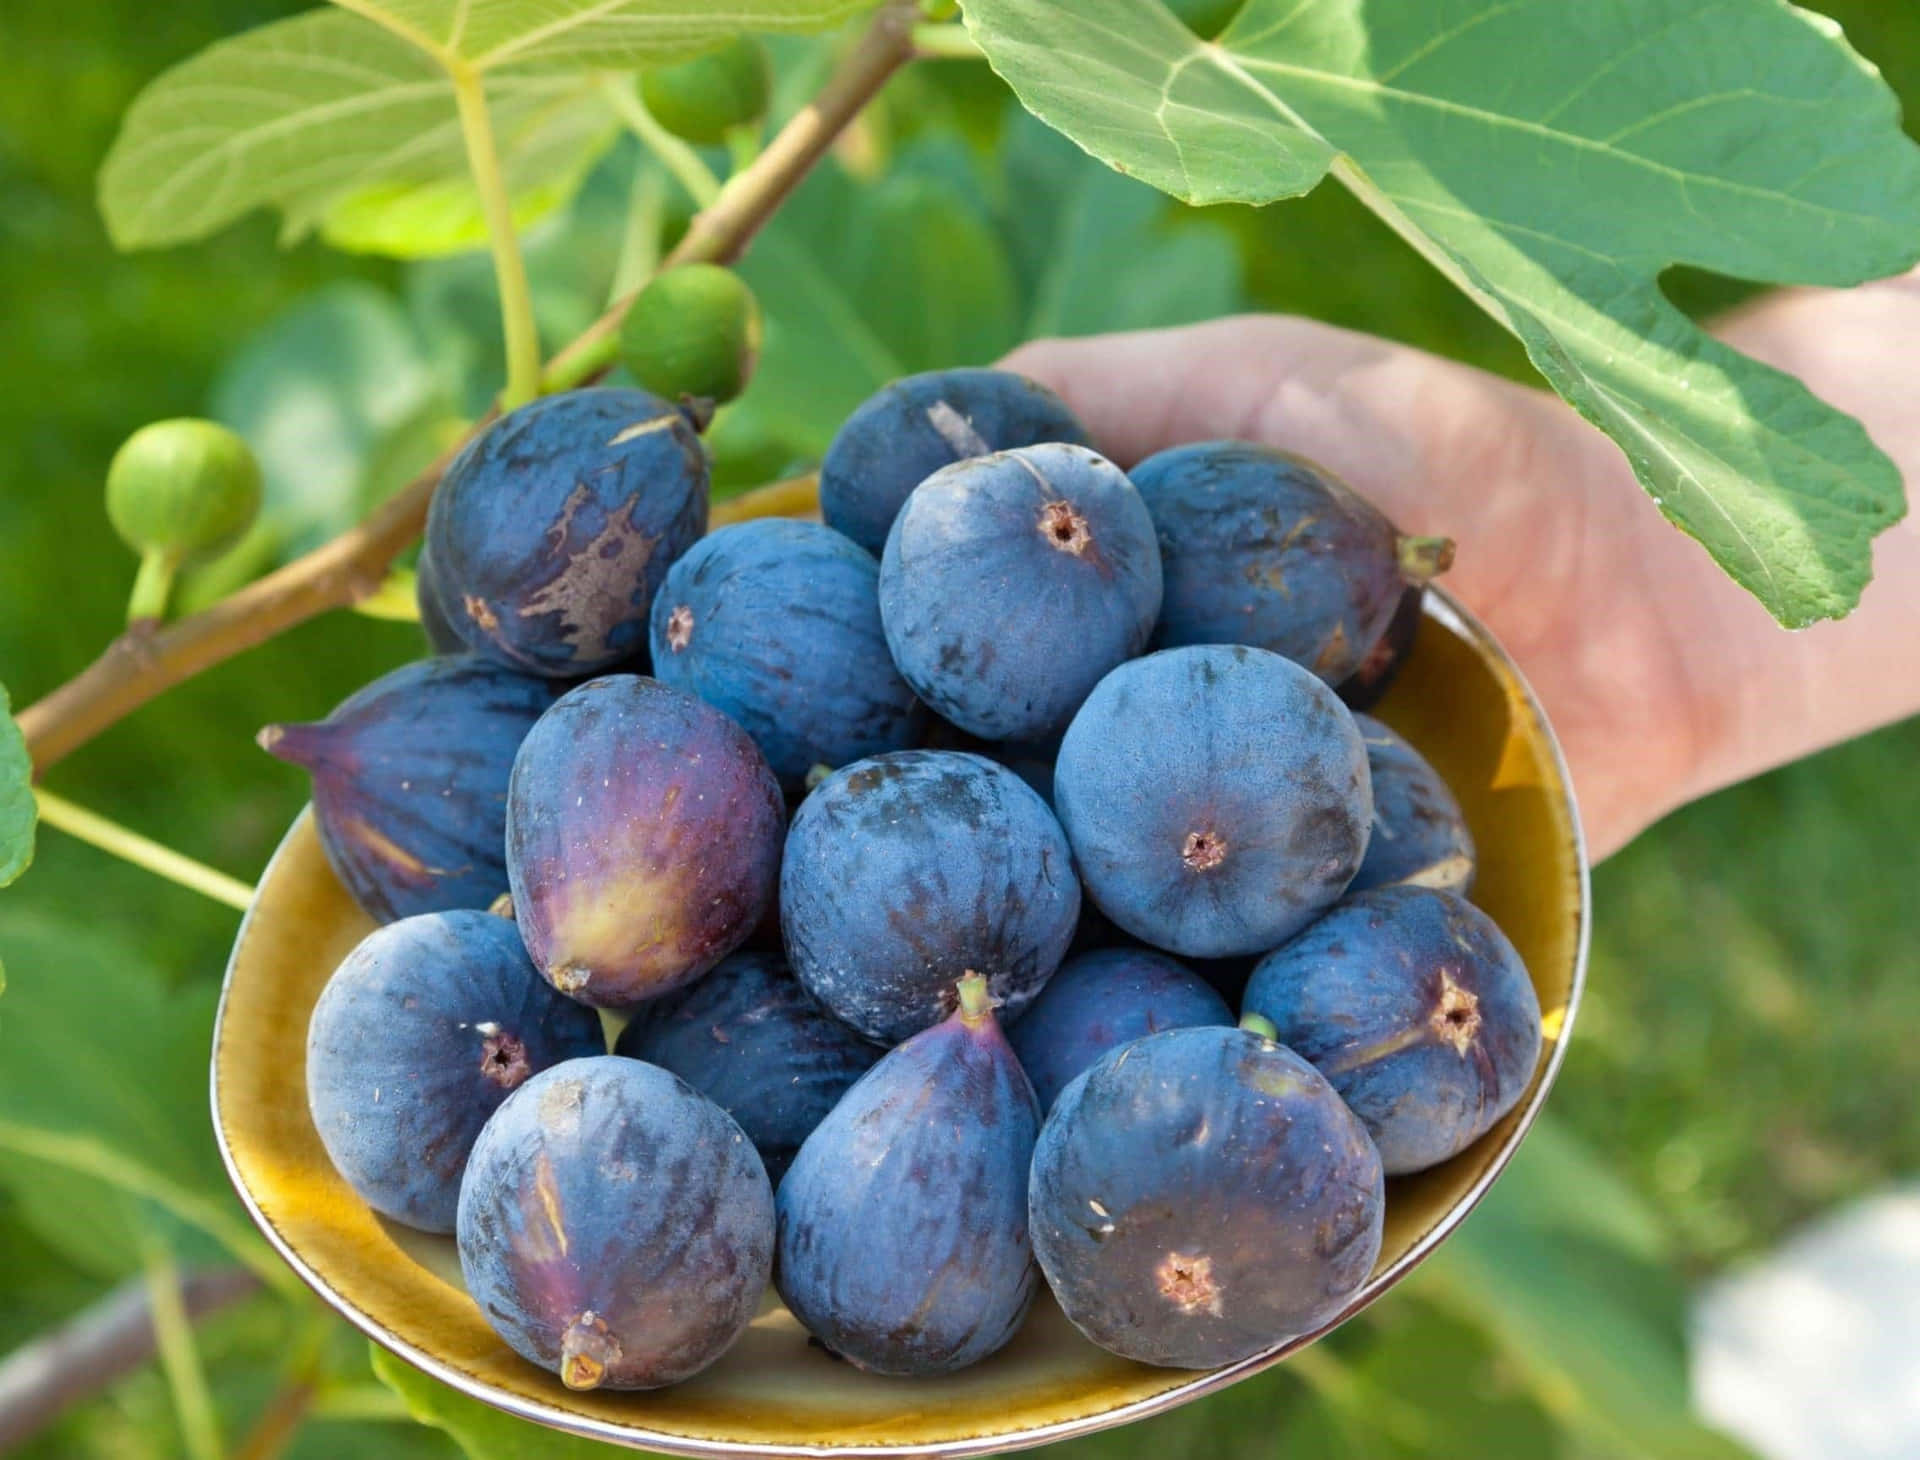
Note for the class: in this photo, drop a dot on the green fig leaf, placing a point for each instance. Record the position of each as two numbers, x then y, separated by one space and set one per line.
18 813
347 123
1552 160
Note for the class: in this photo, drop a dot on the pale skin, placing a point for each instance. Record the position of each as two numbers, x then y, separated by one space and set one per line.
1663 678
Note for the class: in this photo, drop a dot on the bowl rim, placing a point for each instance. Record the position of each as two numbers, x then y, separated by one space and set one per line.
1438 604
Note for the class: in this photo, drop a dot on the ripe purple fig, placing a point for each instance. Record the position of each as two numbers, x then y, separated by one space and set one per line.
410 782
643 840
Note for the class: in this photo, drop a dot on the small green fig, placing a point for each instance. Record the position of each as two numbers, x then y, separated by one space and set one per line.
179 491
705 98
693 332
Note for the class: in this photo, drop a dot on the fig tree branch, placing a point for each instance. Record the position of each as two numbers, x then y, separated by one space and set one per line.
99 1346
148 660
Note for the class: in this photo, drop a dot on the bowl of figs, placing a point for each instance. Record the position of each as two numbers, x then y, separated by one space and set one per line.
1007 949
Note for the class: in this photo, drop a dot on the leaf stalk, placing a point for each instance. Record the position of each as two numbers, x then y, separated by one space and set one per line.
509 268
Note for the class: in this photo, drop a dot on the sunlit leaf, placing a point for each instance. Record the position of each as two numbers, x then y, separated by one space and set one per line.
489 34
545 160
347 121
1552 160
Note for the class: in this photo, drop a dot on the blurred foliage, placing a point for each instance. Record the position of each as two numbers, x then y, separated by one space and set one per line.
1742 1059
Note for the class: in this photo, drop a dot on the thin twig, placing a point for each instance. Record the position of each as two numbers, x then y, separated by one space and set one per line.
143 852
281 1420
99 1346
139 665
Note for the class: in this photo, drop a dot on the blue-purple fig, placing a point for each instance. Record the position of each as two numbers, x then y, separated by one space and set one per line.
1369 683
1420 835
435 622
1100 1000
1216 798
903 1220
1011 583
615 1226
1264 548
751 1040
410 781
909 870
778 624
906 431
552 531
643 840
1417 1008
1202 1196
429 1024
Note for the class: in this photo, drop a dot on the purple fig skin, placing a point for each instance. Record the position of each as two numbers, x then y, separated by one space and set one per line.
1101 1000
903 1221
1265 548
435 622
1420 835
410 782
553 529
1368 685
643 838
1201 1195
615 1226
425 1028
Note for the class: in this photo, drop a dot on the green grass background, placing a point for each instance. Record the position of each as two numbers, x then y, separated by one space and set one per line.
1745 1056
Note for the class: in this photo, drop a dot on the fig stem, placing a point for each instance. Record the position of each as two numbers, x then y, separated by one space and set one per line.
152 585
1422 558
587 1350
669 151
1261 1025
976 1003
129 846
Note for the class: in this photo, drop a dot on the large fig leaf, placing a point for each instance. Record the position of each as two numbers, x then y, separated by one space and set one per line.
1552 159
347 121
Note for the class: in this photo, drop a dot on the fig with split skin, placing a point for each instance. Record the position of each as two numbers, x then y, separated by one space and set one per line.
410 781
615 1226
903 1221
552 530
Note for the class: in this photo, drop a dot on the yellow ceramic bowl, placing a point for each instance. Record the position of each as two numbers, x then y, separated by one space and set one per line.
1459 700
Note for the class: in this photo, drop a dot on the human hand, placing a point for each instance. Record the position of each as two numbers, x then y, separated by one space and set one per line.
1662 678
